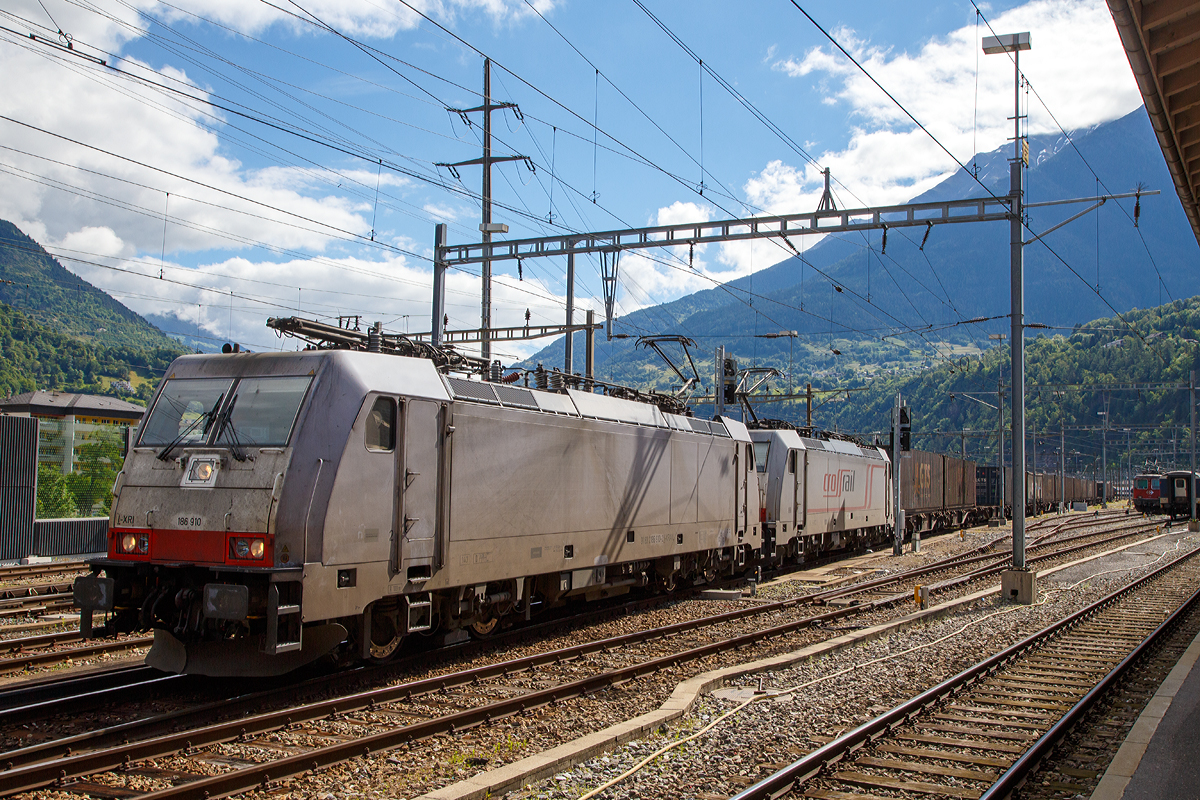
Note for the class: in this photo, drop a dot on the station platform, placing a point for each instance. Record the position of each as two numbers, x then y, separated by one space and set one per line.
1160 758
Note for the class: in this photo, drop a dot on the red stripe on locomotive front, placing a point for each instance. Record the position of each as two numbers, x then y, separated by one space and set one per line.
190 547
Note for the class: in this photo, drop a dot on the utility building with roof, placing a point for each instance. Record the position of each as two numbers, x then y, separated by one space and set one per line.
67 420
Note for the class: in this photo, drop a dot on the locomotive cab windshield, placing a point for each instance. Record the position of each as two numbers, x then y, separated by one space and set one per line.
253 412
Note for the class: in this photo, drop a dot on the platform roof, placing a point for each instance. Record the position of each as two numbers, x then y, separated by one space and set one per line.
1162 42
62 404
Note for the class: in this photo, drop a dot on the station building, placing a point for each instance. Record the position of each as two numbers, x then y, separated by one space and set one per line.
66 421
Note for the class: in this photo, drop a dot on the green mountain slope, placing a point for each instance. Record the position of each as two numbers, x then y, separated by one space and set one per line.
1059 371
33 282
34 357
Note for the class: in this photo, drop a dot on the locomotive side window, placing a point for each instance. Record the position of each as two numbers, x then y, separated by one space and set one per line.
185 410
1154 483
792 455
262 411
760 455
380 433
1142 483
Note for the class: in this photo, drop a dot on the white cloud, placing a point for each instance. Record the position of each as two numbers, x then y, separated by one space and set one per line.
100 241
1077 65
366 18
442 212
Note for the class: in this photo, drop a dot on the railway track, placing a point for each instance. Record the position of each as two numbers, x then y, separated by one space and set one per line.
981 732
255 748
50 650
20 592
47 649
1041 551
25 571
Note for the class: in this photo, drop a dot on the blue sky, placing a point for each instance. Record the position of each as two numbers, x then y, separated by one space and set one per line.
261 222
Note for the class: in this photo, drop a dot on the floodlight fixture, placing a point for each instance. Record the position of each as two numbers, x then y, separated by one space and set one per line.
1008 43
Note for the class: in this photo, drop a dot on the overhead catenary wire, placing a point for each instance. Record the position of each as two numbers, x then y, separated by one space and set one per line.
1071 141
527 82
594 133
954 158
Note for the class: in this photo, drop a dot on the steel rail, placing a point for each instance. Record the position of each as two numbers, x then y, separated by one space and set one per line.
984 572
28 600
17 645
43 773
32 608
785 780
1016 774
53 656
172 721
25 570
39 694
47 697
1000 560
33 590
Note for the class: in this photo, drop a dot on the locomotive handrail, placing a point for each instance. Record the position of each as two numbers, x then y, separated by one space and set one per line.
311 498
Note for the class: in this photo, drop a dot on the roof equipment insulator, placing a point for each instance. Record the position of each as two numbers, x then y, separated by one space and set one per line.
373 337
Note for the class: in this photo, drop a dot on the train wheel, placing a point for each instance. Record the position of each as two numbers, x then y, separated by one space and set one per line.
484 628
385 637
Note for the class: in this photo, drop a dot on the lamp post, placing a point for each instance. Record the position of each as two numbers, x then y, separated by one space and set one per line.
1018 582
1104 458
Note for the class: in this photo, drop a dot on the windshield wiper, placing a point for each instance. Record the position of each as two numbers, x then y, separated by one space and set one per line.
234 445
206 417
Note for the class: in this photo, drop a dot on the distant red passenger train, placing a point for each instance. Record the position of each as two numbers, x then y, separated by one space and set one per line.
1147 493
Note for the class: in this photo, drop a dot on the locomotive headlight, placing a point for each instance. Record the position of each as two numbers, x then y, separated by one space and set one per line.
244 548
135 543
201 470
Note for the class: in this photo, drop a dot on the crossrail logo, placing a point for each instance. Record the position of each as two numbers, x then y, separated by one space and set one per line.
839 483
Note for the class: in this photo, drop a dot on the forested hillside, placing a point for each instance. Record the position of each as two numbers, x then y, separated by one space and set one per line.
34 357
34 283
1059 370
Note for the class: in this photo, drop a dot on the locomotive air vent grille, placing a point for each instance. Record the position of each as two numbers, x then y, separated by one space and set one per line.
515 396
473 390
711 428
813 444
870 452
